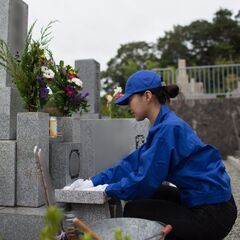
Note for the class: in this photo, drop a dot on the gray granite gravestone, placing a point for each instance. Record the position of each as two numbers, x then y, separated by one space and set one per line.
32 129
65 162
89 73
13 29
105 141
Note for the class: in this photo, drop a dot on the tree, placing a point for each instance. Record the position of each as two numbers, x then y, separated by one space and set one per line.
130 58
173 46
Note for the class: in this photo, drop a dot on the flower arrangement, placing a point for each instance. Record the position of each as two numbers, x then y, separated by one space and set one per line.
111 98
66 90
111 109
27 70
39 80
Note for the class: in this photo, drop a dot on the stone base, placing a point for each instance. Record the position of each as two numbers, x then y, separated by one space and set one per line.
89 206
91 213
21 223
7 173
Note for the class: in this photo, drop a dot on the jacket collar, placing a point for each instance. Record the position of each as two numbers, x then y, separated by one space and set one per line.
164 110
161 115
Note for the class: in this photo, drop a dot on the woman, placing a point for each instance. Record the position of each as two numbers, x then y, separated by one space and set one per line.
201 205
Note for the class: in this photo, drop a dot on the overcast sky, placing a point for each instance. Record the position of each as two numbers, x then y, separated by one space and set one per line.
96 28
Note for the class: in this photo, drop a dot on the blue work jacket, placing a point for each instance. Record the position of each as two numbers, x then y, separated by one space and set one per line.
174 153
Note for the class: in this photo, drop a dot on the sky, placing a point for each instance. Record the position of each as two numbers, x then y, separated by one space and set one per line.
95 29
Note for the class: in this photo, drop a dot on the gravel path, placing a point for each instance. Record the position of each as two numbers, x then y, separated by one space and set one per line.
234 172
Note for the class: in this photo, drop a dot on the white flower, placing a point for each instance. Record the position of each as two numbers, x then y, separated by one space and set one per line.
44 69
48 74
109 98
50 90
117 90
78 82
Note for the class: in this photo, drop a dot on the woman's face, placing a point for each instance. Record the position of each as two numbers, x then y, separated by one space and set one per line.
138 106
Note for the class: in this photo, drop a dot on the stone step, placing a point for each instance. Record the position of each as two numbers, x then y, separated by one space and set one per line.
80 197
21 223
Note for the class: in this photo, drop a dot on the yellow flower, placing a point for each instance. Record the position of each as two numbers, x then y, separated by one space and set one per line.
109 98
72 72
42 56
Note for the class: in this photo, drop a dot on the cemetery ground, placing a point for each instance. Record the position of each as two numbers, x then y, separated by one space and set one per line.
234 172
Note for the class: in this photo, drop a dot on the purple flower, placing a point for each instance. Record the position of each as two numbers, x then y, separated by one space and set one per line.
43 93
41 81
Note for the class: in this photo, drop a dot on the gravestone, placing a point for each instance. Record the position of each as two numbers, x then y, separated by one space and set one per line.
13 30
106 141
89 73
65 162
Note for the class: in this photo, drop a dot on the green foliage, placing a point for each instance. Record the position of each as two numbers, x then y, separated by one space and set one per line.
86 236
130 58
119 236
24 69
53 219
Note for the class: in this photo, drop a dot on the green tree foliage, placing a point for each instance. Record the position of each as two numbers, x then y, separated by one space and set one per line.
130 58
202 42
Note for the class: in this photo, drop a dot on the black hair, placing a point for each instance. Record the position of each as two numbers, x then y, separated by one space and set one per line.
164 93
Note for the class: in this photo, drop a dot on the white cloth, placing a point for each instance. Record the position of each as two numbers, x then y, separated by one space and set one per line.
98 188
79 184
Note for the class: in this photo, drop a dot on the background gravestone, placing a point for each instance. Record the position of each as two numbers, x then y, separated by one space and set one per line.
89 73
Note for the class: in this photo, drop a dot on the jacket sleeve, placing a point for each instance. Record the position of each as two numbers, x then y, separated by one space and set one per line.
119 171
152 171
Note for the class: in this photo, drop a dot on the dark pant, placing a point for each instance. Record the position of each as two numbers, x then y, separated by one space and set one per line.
205 222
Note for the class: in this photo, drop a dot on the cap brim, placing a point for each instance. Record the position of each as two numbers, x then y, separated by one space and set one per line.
123 100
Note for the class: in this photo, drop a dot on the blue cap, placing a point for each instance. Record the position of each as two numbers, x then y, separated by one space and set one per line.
138 82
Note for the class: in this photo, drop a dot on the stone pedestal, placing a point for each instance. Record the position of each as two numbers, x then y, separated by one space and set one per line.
90 206
7 173
32 129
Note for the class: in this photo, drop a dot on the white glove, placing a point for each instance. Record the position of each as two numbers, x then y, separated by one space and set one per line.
84 185
99 188
79 184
